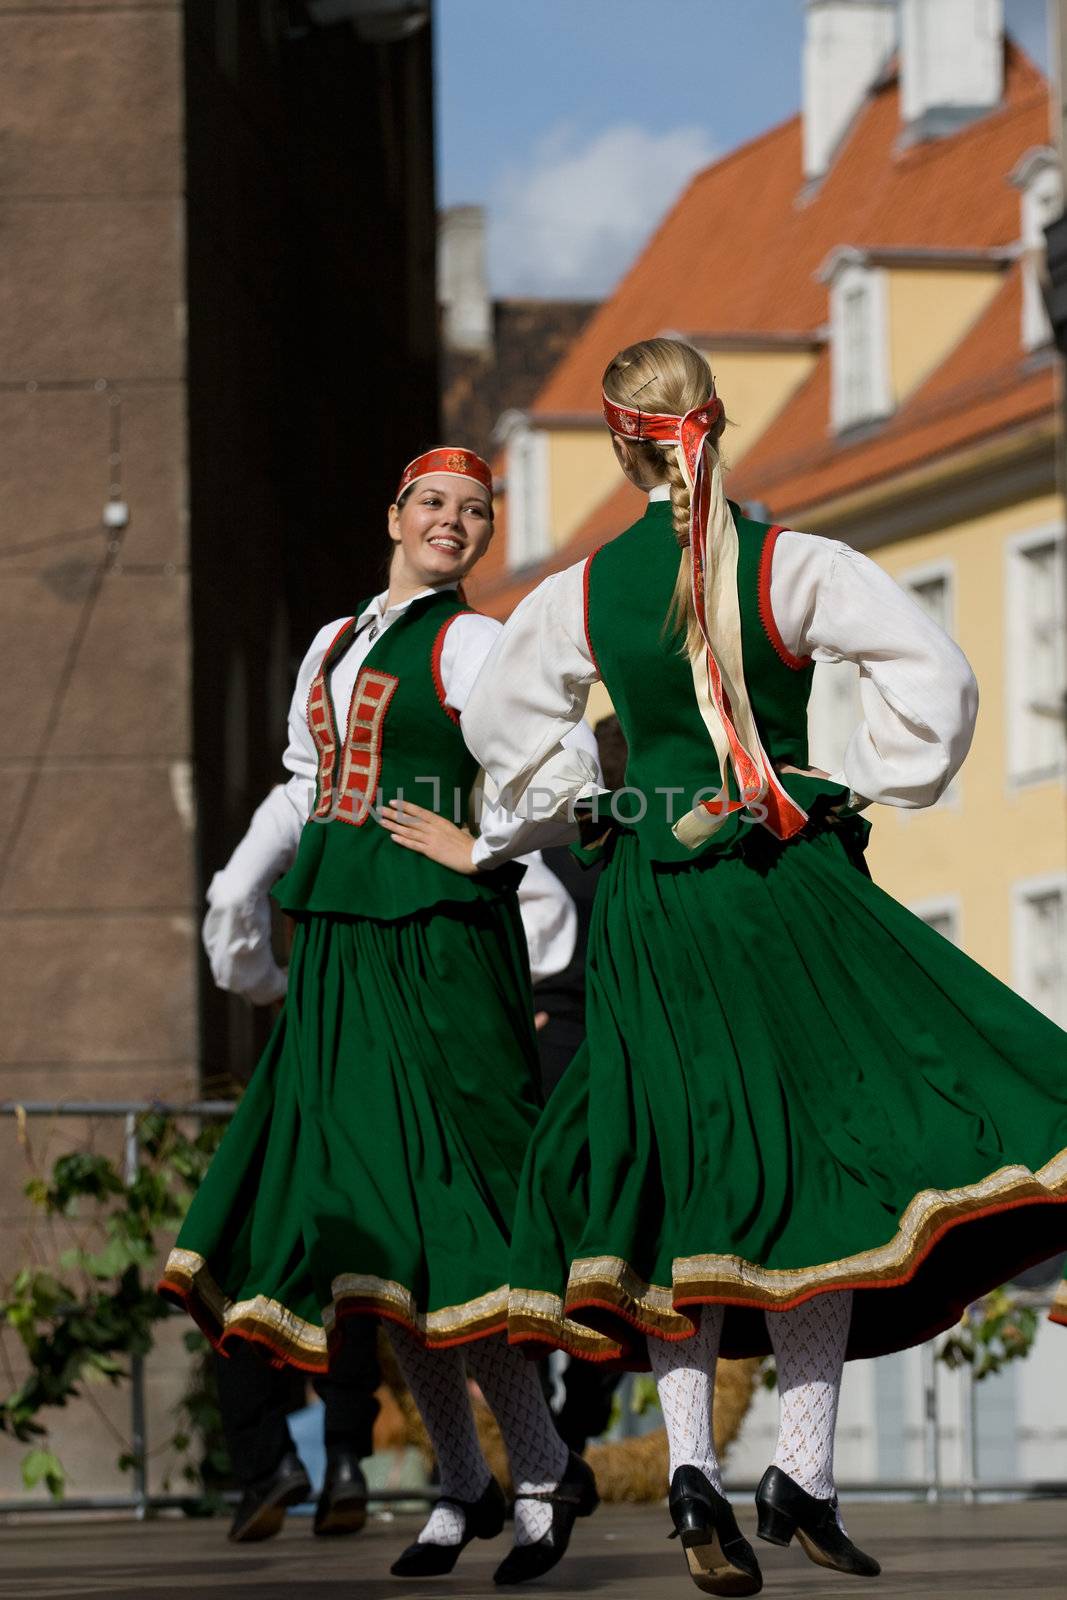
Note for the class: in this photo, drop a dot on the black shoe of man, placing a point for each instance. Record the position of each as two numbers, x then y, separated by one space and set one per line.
263 1505
342 1506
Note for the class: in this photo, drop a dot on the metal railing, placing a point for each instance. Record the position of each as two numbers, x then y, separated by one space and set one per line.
932 1488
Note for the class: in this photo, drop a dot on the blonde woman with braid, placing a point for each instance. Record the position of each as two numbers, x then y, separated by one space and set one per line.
802 1121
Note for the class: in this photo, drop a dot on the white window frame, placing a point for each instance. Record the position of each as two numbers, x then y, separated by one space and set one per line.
910 580
1041 203
1020 775
874 282
945 905
1022 892
529 537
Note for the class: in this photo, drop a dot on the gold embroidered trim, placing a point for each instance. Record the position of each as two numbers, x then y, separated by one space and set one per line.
611 1283
187 1274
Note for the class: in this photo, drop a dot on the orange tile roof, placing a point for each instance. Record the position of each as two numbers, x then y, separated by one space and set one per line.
741 249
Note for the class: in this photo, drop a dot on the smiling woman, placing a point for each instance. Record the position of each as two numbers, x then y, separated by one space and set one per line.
372 1167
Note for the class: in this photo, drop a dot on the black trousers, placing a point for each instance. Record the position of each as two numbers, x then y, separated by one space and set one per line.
256 1398
588 1390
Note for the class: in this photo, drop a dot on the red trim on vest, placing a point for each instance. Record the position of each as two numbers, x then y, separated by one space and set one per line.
322 726
361 767
585 606
770 627
435 660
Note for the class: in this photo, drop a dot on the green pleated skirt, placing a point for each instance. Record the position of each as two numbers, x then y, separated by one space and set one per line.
790 1085
372 1165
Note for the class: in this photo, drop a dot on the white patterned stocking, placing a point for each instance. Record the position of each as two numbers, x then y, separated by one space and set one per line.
685 1380
438 1383
809 1349
536 1452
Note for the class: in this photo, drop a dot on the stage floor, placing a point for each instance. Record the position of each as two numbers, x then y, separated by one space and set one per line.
969 1552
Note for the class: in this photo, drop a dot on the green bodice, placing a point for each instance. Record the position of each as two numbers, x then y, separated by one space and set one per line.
630 583
401 739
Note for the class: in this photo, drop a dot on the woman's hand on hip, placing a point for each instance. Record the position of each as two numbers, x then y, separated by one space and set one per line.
430 834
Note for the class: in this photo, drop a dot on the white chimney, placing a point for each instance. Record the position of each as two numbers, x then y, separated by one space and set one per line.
846 45
951 63
462 285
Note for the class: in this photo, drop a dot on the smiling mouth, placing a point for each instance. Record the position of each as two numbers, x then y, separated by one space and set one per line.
446 543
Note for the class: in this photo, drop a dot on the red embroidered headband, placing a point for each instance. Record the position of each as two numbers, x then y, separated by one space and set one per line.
449 460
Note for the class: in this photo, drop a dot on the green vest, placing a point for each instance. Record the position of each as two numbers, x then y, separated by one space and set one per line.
630 583
401 739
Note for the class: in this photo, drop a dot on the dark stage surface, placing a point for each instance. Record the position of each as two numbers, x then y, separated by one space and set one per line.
969 1552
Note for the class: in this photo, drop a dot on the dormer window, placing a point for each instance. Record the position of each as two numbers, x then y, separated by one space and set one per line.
1039 178
529 535
859 355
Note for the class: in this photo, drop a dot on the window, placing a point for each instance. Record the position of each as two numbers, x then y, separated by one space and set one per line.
932 587
1038 175
859 345
834 712
1036 656
942 915
1040 929
529 536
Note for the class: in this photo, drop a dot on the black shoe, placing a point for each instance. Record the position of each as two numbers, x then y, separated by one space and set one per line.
721 1560
482 1519
785 1508
573 1497
262 1508
342 1506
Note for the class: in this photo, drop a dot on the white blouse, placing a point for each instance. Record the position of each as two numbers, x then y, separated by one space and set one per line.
918 695
237 928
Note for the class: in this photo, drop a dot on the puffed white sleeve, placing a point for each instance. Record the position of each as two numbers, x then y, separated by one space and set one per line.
918 695
301 759
237 927
530 697
505 834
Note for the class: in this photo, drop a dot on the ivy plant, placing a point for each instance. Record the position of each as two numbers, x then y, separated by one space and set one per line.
83 1316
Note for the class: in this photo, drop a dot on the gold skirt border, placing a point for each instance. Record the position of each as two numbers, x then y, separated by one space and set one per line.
294 1341
609 1284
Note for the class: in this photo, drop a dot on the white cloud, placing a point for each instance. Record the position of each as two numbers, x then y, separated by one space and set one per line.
569 220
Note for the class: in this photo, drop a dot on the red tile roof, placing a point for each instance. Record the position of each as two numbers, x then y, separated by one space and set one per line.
740 253
741 249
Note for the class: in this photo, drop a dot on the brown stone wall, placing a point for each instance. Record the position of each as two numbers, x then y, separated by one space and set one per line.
216 307
97 892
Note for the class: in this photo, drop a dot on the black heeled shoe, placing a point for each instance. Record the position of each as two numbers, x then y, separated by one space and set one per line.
720 1558
262 1509
342 1506
785 1508
573 1497
482 1519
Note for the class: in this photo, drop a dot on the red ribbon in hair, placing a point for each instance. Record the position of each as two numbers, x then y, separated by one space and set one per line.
756 779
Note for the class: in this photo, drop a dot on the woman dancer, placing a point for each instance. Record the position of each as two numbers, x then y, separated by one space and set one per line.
803 1120
371 1167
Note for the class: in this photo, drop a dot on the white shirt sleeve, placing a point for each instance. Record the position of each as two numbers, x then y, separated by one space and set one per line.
503 835
917 692
237 927
530 697
549 918
301 758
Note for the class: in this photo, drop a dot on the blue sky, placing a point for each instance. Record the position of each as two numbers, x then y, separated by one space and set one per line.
577 122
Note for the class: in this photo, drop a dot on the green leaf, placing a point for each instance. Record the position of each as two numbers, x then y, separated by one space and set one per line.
41 1466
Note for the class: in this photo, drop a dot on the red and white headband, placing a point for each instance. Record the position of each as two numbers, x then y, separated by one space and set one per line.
448 459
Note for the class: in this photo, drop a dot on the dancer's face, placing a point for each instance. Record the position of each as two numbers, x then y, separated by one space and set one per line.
442 529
